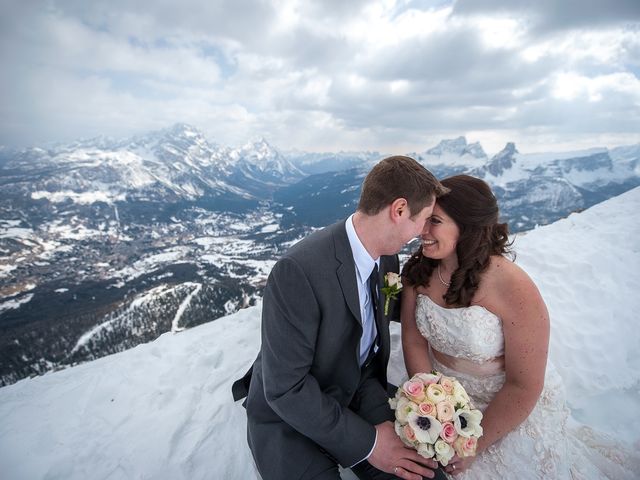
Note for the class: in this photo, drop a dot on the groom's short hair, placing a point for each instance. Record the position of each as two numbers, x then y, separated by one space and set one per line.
399 177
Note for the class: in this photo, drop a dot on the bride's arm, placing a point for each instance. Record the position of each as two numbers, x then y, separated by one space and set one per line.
414 345
525 323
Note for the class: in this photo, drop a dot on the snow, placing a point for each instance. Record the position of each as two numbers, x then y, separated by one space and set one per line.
175 324
82 198
164 410
270 228
15 303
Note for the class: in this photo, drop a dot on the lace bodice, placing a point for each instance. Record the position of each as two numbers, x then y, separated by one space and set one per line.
472 333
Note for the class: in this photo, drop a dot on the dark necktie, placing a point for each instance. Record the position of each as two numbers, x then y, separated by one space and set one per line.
373 292
373 289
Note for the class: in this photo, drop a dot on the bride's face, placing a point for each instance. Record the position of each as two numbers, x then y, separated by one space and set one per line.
440 235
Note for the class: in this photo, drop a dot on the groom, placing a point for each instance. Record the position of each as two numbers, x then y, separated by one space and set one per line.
317 392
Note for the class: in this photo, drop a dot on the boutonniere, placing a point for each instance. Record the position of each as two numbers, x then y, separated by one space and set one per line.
392 287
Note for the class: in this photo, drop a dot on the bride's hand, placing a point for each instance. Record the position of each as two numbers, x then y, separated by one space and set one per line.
457 465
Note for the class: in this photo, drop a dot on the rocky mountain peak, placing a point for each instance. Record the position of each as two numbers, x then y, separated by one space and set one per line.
503 160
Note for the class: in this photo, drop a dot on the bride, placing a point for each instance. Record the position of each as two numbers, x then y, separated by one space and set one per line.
469 312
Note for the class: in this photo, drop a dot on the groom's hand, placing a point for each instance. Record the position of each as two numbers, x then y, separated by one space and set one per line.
392 456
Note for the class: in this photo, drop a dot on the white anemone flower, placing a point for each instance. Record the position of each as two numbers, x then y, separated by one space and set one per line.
467 422
426 427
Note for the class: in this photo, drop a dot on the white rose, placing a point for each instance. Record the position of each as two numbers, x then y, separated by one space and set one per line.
404 408
426 450
394 279
444 452
459 394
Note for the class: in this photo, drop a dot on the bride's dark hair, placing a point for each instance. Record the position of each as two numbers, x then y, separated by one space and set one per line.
474 208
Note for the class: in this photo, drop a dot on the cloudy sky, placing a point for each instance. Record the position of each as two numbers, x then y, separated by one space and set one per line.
387 75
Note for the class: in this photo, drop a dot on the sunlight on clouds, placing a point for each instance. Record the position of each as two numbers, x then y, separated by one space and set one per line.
603 47
356 81
569 86
399 86
499 32
288 15
535 52
379 27
316 91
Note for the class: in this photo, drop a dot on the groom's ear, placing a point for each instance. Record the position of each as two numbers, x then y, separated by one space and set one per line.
399 208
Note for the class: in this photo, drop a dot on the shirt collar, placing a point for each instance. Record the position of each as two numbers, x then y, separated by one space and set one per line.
364 262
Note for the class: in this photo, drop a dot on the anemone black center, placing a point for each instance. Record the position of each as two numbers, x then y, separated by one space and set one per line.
463 422
424 423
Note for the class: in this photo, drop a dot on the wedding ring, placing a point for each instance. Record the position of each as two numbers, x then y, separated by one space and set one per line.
395 470
453 466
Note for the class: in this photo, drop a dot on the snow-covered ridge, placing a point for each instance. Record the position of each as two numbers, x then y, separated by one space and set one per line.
164 409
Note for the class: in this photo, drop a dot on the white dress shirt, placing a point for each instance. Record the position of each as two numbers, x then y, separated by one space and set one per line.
364 267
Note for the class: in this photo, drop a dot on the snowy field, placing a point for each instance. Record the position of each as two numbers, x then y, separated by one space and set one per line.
164 410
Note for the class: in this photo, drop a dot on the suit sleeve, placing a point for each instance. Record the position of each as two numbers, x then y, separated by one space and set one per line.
290 321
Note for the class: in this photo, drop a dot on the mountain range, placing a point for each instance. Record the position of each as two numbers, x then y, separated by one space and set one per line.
107 243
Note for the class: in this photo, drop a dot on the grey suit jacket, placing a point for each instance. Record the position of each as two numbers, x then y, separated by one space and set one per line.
307 371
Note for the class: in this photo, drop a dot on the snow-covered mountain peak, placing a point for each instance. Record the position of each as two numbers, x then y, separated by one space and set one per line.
259 157
502 161
449 146
475 150
456 153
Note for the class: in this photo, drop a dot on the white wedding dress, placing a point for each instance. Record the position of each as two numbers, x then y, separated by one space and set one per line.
548 444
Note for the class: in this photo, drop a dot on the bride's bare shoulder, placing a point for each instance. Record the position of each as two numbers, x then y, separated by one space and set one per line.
505 278
502 269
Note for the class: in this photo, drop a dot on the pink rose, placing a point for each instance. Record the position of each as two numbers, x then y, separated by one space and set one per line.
409 433
465 447
427 408
447 385
445 411
414 390
448 433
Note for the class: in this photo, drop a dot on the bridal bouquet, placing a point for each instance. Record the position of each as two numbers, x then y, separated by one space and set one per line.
435 416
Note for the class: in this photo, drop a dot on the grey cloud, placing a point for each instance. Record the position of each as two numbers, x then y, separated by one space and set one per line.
246 21
335 9
307 49
458 58
553 15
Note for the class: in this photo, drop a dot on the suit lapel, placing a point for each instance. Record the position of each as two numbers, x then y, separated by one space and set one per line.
346 270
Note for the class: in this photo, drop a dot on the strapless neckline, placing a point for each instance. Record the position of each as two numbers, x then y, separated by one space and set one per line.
454 309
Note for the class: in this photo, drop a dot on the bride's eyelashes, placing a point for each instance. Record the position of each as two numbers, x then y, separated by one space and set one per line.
435 221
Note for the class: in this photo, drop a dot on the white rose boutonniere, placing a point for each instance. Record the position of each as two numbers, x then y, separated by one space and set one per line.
392 287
